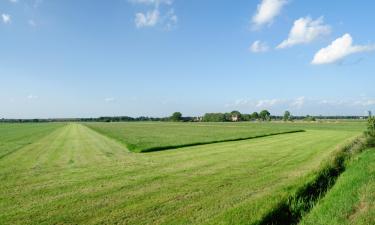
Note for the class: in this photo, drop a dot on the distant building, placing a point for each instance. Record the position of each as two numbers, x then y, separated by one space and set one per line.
235 118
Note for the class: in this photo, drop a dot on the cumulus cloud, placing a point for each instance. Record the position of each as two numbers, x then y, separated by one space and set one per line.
6 18
305 30
266 12
258 47
339 49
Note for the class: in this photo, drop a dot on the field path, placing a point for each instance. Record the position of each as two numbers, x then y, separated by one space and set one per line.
69 146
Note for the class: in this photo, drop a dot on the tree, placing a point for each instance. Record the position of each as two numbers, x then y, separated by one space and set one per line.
265 115
254 116
213 117
287 116
177 116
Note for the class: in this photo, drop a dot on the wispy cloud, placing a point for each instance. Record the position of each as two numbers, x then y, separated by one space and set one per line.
6 18
148 19
305 30
339 49
31 97
109 99
259 46
154 16
266 12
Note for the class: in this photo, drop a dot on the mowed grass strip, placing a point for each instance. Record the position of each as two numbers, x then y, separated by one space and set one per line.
14 136
77 176
352 199
148 137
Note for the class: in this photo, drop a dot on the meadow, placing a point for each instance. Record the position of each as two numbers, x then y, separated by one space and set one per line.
73 174
153 136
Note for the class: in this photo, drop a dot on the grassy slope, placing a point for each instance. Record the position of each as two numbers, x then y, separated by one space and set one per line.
352 199
75 175
15 136
142 137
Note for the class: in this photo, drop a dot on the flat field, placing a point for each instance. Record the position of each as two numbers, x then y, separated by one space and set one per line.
144 137
75 175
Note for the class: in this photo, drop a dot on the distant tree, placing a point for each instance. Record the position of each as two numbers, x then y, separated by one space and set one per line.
309 118
254 116
213 117
246 117
287 116
177 116
265 115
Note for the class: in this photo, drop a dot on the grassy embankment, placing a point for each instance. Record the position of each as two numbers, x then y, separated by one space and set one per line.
352 199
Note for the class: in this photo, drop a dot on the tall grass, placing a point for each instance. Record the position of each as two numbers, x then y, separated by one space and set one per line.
295 206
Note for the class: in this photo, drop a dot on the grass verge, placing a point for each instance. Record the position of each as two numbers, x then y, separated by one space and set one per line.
301 201
352 199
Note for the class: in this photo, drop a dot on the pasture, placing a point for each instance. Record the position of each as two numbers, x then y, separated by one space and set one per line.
72 174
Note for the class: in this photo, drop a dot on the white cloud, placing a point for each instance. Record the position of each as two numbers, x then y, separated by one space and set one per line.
259 46
148 19
266 12
339 49
155 16
305 30
171 19
298 102
13 1
6 18
267 103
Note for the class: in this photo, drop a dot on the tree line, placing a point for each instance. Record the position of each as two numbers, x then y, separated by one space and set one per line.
234 116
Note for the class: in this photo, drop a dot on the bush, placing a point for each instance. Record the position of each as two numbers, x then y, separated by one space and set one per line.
370 133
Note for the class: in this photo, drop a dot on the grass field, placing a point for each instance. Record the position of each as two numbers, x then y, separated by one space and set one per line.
74 175
144 137
15 136
352 199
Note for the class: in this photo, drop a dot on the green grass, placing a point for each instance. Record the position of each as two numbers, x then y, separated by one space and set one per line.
15 136
75 175
352 199
146 137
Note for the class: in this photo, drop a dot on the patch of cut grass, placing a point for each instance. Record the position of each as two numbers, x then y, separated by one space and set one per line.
74 175
148 137
15 136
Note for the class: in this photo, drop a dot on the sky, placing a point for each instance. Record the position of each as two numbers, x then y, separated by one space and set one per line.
84 58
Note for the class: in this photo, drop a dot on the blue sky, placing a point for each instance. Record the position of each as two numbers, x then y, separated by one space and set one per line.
153 57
